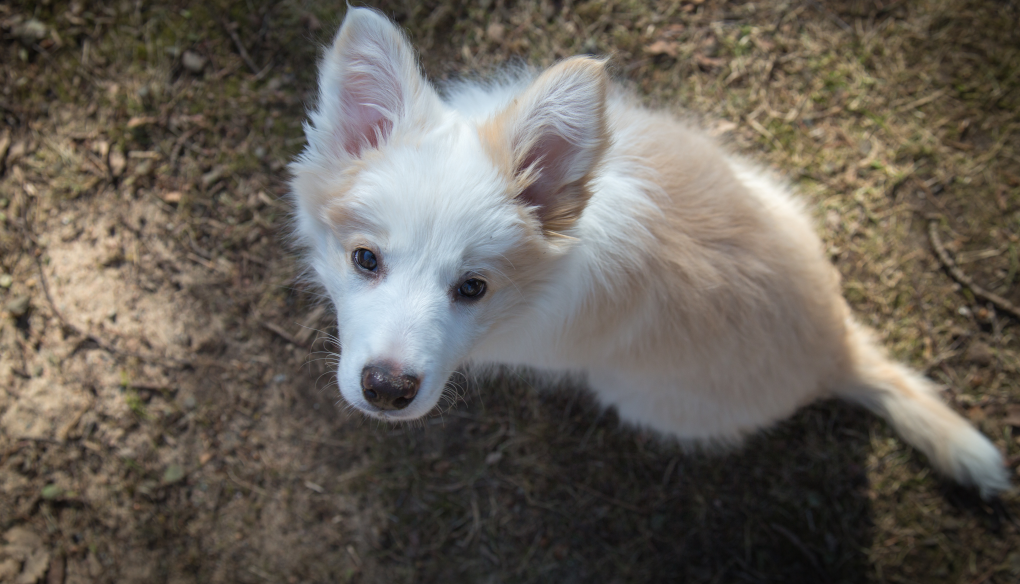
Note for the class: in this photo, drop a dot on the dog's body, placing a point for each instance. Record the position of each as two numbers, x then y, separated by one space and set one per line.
550 222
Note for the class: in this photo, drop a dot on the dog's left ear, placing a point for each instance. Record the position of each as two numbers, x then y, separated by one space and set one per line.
369 82
553 137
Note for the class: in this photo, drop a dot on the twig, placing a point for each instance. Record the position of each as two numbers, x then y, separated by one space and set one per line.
964 280
283 334
244 484
832 15
240 47
175 151
984 577
798 544
608 499
325 441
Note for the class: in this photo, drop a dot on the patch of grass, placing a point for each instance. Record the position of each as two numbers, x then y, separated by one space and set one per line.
136 404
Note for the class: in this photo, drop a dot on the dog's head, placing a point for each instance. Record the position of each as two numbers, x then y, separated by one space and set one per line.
427 227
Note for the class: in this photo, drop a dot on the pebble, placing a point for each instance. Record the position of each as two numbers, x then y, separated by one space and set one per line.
144 168
6 281
117 162
210 178
193 62
173 473
495 32
18 306
30 31
980 354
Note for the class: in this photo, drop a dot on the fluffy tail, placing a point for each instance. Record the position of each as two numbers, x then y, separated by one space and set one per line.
910 402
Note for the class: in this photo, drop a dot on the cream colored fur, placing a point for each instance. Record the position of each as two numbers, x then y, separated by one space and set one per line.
685 284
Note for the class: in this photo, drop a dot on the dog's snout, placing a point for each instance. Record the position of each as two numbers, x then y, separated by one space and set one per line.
387 389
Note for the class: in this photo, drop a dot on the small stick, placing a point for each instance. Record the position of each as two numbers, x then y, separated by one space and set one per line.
947 262
175 151
798 544
282 333
608 499
240 48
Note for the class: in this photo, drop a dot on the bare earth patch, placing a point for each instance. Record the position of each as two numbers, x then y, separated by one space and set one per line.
164 412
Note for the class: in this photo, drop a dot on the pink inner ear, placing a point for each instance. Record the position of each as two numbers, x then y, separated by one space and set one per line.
367 127
551 157
363 100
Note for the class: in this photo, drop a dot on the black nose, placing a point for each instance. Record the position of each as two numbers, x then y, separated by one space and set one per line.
387 389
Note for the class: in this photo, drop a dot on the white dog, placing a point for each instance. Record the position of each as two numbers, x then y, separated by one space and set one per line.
550 222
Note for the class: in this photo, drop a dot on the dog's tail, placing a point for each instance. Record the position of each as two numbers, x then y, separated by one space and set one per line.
910 402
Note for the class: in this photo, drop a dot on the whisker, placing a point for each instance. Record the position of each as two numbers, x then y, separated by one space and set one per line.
507 260
509 279
328 384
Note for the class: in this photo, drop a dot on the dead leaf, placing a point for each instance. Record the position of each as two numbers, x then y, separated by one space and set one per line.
35 567
20 541
172 197
662 47
5 143
17 150
673 30
708 63
1013 415
722 127
140 121
27 547
102 148
9 569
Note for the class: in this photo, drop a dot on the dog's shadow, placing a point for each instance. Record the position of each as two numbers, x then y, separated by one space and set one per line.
519 485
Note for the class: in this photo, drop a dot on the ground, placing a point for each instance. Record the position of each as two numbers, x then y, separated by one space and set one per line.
165 416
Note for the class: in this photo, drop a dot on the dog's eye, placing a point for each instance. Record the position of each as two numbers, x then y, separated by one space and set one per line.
473 288
365 259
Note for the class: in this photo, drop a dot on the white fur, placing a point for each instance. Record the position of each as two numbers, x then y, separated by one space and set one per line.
685 284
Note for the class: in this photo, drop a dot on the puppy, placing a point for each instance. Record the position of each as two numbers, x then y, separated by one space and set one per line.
550 222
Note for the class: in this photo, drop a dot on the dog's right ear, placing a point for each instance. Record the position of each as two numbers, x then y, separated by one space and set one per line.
551 139
369 83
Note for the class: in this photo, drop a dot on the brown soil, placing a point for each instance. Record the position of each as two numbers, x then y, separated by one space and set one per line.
165 416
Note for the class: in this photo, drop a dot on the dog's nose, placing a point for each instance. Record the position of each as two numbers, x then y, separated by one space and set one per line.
387 389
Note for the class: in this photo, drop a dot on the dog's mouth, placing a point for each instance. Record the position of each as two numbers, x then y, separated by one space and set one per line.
391 415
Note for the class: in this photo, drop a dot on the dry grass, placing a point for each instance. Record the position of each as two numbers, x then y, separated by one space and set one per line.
159 423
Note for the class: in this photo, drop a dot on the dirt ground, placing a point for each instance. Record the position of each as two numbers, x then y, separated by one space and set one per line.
164 412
